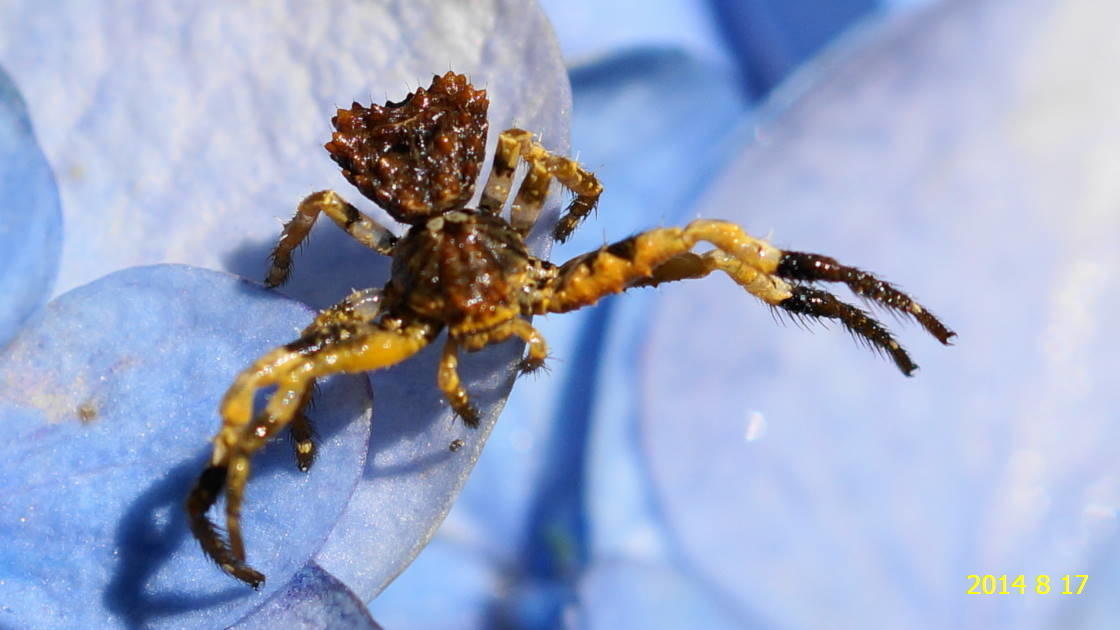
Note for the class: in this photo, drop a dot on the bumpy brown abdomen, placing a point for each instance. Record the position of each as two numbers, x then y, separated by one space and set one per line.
464 269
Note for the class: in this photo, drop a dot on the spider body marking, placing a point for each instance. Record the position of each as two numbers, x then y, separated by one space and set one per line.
468 271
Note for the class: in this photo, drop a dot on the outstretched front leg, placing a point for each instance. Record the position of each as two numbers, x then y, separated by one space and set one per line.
331 345
364 230
664 255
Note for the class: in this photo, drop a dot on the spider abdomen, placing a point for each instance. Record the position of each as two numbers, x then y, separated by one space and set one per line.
461 268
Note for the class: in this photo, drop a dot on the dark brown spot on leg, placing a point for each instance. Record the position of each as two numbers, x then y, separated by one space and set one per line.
625 249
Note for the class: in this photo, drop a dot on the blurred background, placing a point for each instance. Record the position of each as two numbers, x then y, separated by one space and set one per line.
691 460
693 463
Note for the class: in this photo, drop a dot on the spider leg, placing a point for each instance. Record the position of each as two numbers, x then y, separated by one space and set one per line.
283 407
350 318
614 268
199 501
231 472
328 346
449 381
355 223
538 349
817 303
663 255
498 183
452 386
357 308
806 267
360 307
803 301
543 166
303 432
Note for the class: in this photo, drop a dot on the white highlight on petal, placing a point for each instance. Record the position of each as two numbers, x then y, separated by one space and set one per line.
756 427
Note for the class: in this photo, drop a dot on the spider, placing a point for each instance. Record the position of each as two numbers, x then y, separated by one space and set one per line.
467 270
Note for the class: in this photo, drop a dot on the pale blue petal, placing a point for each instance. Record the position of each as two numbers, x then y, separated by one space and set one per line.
969 155
30 222
313 600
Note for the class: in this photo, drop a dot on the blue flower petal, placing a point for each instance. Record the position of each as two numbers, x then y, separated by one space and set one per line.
107 400
969 155
770 38
623 594
592 32
313 600
450 586
30 221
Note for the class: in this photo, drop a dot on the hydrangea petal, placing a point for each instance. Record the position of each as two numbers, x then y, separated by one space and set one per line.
30 219
770 38
313 600
450 586
624 594
592 32
805 477
108 399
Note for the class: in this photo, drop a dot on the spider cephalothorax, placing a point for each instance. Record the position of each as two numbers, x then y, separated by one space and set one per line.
468 271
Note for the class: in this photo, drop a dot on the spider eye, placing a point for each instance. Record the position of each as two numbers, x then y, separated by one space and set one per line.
419 156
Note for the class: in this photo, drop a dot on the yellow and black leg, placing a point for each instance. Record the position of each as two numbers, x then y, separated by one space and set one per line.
664 255
543 166
805 267
538 349
452 386
323 350
364 230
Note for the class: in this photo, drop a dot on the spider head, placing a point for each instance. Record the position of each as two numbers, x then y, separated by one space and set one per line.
420 156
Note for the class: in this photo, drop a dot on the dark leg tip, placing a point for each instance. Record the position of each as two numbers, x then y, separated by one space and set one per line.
470 416
246 574
273 280
528 366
